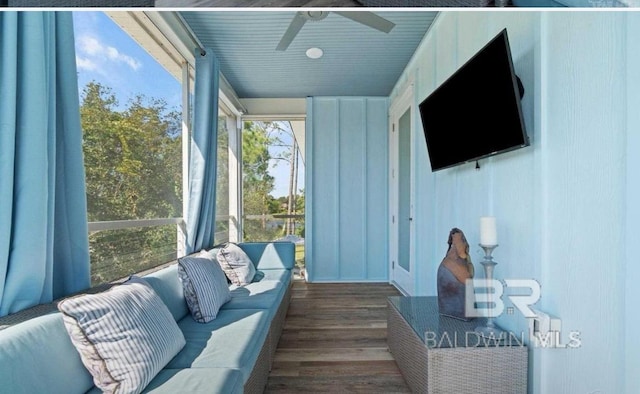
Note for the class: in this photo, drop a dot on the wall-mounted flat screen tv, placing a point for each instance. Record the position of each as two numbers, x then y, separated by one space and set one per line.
476 112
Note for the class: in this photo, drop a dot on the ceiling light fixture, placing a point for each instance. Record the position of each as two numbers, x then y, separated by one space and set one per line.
314 53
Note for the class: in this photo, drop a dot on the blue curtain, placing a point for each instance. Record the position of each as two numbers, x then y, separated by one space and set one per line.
201 214
44 247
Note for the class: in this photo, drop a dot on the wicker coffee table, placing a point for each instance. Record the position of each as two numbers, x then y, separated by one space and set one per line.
439 354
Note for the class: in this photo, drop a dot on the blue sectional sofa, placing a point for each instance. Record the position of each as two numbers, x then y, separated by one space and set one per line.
231 354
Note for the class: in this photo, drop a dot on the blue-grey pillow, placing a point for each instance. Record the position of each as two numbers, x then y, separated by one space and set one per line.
204 285
236 264
124 335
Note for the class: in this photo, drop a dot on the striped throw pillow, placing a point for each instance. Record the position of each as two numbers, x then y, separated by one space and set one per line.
124 335
236 264
204 285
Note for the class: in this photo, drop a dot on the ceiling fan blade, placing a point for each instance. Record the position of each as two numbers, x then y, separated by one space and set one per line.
291 33
369 19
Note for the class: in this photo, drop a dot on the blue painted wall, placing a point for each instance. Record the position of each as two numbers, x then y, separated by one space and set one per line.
347 164
631 271
567 206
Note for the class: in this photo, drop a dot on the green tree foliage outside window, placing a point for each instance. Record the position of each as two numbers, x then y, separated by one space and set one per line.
258 184
222 182
133 165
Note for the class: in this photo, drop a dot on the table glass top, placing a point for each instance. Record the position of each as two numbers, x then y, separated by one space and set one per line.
437 331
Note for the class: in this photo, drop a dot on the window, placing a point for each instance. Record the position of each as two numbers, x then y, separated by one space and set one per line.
273 182
222 182
131 121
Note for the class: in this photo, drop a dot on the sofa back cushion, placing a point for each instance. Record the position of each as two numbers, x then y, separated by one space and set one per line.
167 285
37 356
270 255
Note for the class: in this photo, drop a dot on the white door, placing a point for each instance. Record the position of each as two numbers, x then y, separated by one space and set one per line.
401 259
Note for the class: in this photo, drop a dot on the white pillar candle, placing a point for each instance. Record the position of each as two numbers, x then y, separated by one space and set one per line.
488 233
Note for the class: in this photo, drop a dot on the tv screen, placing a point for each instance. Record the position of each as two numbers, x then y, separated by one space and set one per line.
476 112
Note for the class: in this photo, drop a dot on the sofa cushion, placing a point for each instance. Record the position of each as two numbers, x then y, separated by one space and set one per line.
210 254
270 255
258 295
166 283
236 264
124 335
194 381
232 340
283 275
37 356
204 285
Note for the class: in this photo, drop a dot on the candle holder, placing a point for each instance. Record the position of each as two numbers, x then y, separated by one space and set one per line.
490 330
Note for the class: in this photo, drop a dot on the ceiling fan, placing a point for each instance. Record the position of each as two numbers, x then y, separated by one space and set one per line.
365 17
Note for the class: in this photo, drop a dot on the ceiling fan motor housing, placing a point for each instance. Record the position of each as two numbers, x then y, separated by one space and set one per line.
366 18
314 16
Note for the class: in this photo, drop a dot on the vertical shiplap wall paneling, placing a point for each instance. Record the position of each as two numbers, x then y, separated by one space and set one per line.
560 203
516 213
427 260
325 162
585 236
538 105
446 203
308 190
632 269
349 181
377 202
473 33
352 188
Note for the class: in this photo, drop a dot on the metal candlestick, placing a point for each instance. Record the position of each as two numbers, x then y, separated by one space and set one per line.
490 330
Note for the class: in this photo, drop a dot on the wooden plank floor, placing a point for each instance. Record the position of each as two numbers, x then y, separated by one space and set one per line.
335 340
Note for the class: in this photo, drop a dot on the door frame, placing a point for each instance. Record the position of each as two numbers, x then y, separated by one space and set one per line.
403 280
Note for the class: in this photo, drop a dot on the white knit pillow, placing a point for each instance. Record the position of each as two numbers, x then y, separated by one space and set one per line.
236 264
124 335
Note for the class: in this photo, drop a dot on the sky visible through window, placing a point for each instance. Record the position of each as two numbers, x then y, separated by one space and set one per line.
280 169
108 55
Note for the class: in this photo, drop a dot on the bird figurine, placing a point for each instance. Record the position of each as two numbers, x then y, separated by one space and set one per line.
453 272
